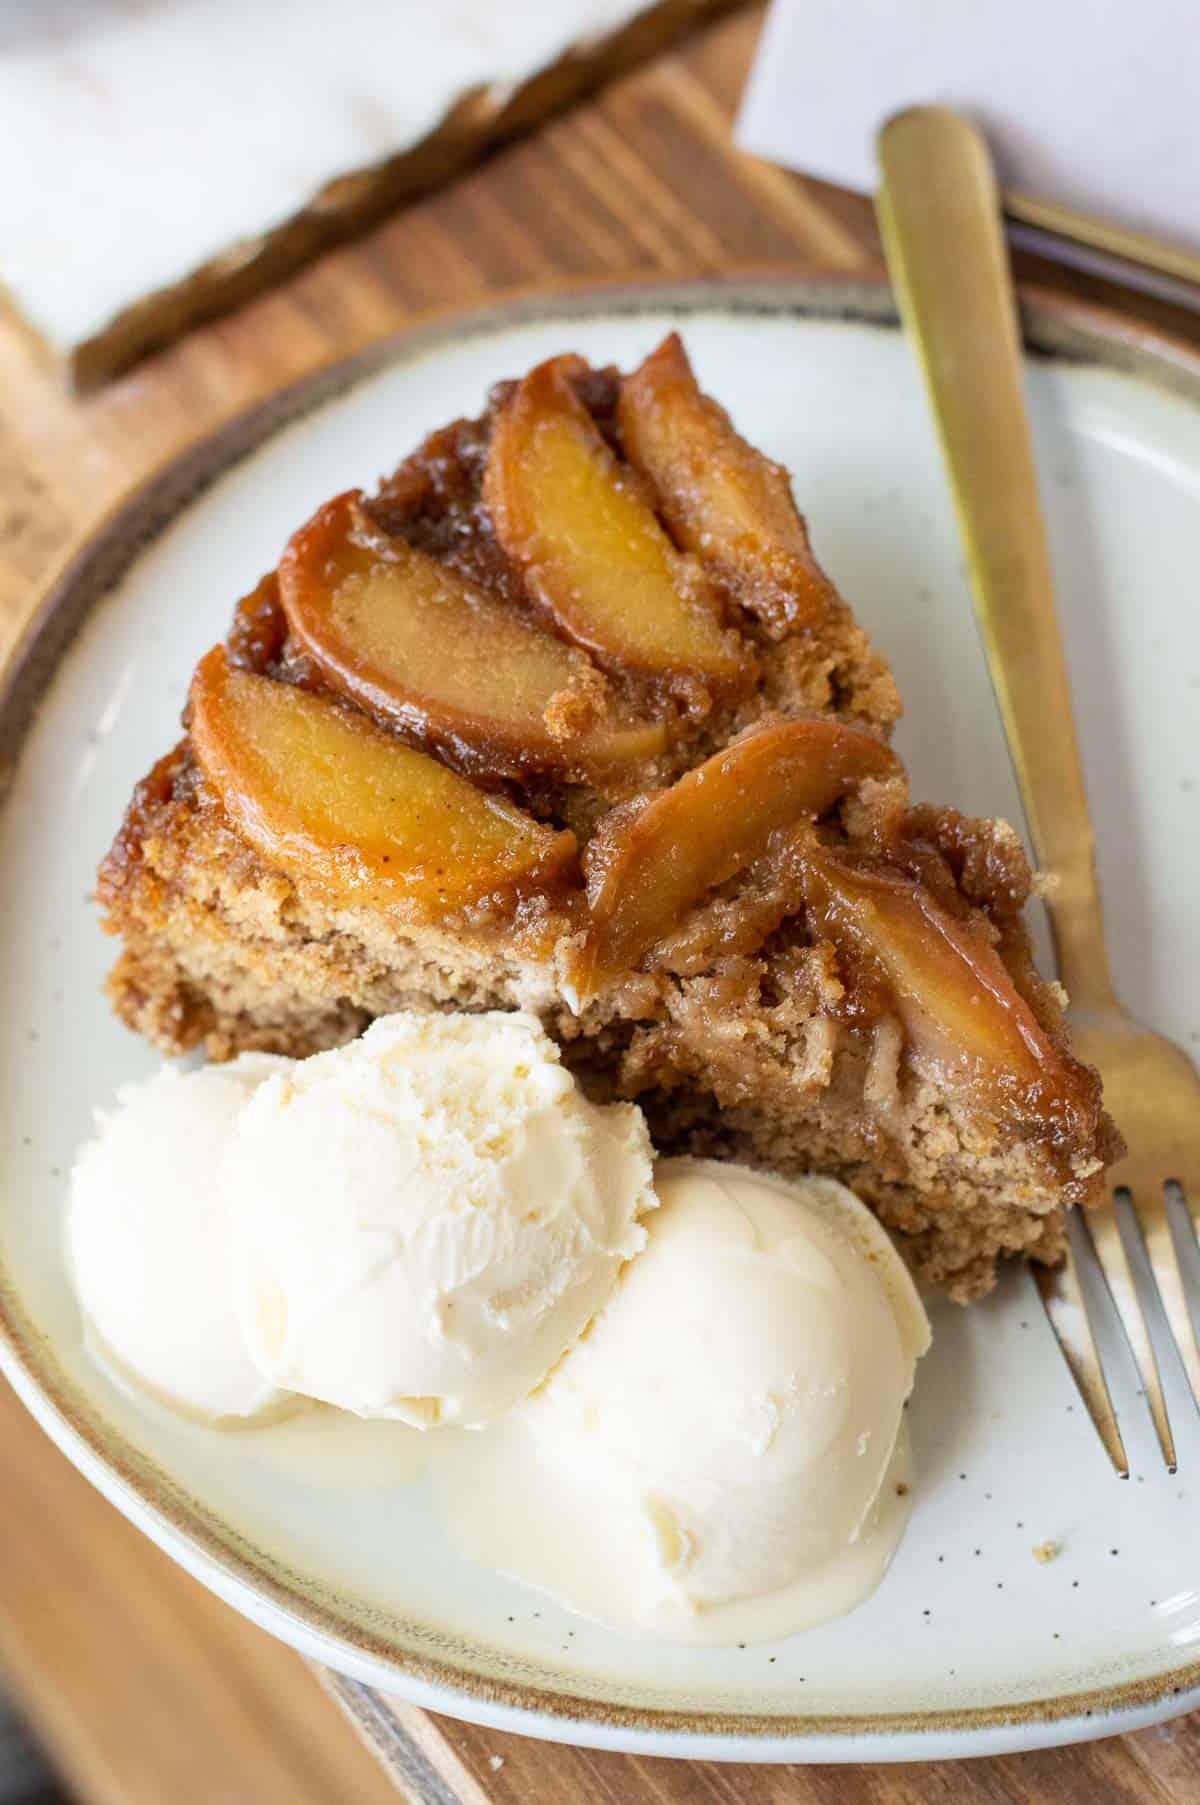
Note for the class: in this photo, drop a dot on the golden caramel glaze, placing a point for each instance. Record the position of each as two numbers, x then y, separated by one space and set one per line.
940 972
151 799
720 497
435 500
428 651
319 790
578 524
649 864
256 638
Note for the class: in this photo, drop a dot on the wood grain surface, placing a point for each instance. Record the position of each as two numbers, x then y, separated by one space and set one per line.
437 1761
142 1687
147 1690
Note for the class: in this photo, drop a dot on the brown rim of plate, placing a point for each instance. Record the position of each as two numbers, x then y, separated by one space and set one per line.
1072 331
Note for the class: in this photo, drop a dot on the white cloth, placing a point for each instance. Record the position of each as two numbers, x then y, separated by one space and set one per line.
1091 103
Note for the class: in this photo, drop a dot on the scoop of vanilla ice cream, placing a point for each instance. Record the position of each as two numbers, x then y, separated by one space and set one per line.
732 1412
428 1218
148 1240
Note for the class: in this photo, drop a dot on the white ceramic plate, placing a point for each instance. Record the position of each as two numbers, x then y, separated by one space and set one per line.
970 1645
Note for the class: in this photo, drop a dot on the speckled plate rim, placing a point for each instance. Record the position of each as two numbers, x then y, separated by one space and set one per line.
261 1588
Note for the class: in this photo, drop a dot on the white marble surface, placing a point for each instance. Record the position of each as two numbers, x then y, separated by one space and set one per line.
141 140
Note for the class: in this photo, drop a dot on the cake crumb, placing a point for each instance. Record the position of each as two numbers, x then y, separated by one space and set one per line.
901 1489
1046 1551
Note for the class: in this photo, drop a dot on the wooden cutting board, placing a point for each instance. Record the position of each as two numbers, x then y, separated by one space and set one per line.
146 1689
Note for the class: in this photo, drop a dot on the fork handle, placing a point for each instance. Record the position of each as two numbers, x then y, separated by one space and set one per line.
939 210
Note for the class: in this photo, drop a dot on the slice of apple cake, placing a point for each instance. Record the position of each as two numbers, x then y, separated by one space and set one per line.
567 717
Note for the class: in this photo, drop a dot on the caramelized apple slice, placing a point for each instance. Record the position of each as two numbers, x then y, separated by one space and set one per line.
592 551
420 647
320 791
649 869
721 498
951 988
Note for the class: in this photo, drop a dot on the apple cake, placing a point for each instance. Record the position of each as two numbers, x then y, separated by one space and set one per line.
567 717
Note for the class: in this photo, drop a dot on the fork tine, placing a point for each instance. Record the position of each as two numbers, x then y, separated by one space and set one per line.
1188 1189
1153 1219
1067 1314
1105 1232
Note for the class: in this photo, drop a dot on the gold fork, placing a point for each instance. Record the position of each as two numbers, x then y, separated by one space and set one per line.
939 210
